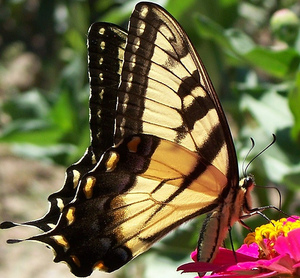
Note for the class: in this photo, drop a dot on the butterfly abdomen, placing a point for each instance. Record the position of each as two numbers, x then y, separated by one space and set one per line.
219 222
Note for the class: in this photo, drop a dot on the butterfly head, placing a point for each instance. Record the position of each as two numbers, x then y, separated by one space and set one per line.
247 183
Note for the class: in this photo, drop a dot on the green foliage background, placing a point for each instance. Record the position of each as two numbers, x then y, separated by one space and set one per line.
44 91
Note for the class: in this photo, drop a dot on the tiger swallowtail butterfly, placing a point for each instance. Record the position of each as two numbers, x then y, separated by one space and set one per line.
161 151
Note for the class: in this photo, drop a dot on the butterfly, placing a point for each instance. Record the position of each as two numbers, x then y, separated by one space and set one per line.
161 151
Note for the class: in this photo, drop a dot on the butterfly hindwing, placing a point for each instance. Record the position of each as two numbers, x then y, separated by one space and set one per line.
106 46
129 216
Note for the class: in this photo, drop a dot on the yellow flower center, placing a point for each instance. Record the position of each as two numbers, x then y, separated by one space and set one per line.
266 235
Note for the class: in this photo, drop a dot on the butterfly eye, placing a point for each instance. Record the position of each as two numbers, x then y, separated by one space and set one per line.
248 182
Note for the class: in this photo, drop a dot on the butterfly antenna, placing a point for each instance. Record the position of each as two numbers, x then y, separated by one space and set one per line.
248 153
268 146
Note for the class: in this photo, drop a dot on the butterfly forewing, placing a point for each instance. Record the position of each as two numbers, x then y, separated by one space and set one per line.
165 90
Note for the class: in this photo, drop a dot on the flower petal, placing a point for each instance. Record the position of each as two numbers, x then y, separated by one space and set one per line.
280 264
289 245
251 250
198 267
293 218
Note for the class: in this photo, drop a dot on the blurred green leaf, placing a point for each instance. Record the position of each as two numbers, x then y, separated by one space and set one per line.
271 111
48 153
76 41
178 7
34 132
292 179
209 29
278 63
32 104
294 101
239 41
63 115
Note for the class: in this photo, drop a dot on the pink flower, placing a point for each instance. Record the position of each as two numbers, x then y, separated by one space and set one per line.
272 250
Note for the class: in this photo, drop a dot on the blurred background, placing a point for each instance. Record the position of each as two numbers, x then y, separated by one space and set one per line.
251 50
